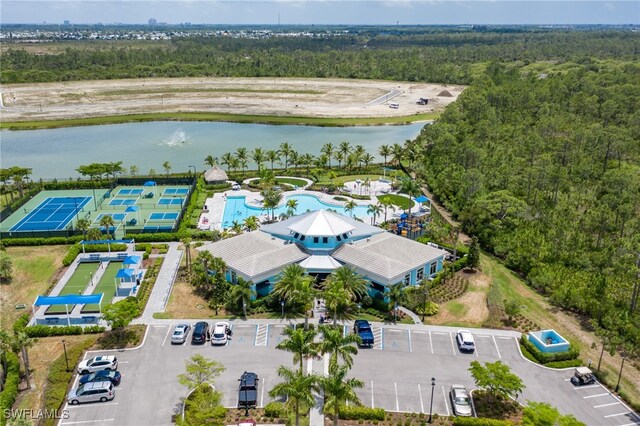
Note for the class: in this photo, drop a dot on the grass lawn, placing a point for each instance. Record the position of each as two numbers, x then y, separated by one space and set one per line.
397 200
34 269
106 286
184 303
78 282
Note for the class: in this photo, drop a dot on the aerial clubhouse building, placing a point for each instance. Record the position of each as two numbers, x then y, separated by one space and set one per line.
321 241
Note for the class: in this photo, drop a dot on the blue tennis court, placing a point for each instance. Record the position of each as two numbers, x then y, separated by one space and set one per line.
130 191
117 217
157 229
122 202
170 201
163 216
175 191
53 214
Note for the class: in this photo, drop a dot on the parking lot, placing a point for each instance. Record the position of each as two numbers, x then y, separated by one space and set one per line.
396 373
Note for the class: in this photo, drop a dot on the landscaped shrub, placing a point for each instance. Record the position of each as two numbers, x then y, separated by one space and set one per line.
73 252
8 242
361 413
274 409
10 390
431 308
157 237
495 304
564 364
473 421
21 323
449 290
545 358
67 330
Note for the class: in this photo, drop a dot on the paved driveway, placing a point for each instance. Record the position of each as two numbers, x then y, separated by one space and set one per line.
396 372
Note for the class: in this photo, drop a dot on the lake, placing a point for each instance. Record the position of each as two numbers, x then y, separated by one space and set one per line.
56 153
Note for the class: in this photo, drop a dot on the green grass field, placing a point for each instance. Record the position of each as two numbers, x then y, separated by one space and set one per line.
76 284
292 181
397 200
107 286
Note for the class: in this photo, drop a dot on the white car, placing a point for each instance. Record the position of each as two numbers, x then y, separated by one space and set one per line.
97 363
220 334
465 340
460 401
180 333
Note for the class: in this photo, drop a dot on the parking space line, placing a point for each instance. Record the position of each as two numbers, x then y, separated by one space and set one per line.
497 350
606 405
452 345
123 362
159 326
372 403
586 387
166 336
444 395
595 396
104 404
421 403
395 385
618 414
505 338
631 424
409 336
431 342
87 421
264 381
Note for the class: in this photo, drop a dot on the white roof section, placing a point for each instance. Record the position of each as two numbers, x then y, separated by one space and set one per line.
321 223
387 256
255 253
320 262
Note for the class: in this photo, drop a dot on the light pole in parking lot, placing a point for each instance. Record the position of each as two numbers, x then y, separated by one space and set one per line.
433 385
282 307
66 359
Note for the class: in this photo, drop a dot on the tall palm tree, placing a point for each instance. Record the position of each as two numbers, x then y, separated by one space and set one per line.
285 151
396 296
167 167
241 293
295 286
386 203
211 160
358 154
186 242
374 210
297 388
270 200
83 225
306 160
94 234
292 206
328 150
384 151
347 278
338 390
367 159
350 206
397 151
251 223
235 163
321 161
258 156
300 342
108 223
338 345
272 156
134 170
411 187
344 148
226 160
23 342
294 159
339 157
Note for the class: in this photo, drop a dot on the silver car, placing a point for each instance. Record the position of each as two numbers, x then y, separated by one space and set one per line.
92 392
220 334
460 401
180 333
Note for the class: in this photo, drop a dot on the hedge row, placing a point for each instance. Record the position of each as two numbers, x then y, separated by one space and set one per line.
67 330
352 412
475 421
10 391
144 292
49 241
545 358
274 409
75 250
154 238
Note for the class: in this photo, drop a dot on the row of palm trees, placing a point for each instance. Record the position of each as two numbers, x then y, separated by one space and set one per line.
84 225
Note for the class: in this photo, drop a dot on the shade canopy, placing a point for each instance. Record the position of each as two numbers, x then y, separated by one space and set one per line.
404 216
131 260
149 183
69 299
126 273
132 209
422 199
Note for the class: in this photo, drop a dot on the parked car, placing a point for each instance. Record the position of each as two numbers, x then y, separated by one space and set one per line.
199 335
248 390
247 422
101 376
97 363
583 376
465 340
92 392
363 329
460 401
220 333
180 333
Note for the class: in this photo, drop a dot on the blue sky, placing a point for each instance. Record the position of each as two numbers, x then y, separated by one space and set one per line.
389 12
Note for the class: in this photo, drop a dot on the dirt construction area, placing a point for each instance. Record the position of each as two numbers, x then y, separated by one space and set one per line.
246 96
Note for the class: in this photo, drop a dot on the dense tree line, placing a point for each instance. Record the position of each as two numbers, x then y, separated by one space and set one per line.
446 57
546 173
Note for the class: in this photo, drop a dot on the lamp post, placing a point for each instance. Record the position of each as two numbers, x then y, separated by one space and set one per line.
282 307
194 170
620 374
66 359
433 385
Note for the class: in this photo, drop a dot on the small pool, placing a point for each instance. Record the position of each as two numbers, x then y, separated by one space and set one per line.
237 209
548 341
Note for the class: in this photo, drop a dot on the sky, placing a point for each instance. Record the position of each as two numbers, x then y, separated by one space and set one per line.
323 12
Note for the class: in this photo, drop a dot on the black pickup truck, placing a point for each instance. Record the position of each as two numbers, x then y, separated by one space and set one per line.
363 329
248 391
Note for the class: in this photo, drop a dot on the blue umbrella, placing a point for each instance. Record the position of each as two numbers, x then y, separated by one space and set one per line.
422 199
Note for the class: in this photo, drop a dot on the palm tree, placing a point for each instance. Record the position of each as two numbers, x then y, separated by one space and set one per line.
351 161
236 227
94 234
386 203
374 210
300 343
367 159
292 206
294 159
270 200
338 345
350 206
338 390
258 157
339 157
108 223
251 223
306 160
328 150
347 278
242 292
167 167
396 296
186 242
285 150
384 151
344 148
211 160
358 153
23 342
235 163
83 225
134 170
272 156
321 161
227 160
297 388
397 151
411 187
295 286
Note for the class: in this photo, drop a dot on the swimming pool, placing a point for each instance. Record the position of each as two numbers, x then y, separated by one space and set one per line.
237 209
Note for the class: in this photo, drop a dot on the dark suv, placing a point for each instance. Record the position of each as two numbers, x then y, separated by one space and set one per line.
248 391
199 335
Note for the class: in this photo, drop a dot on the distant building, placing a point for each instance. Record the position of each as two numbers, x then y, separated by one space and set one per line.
66 22
153 21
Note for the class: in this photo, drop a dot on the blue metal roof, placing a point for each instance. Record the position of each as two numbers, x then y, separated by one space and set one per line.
69 299
422 199
125 273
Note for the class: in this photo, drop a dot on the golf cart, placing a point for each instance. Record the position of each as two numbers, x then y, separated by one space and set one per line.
583 376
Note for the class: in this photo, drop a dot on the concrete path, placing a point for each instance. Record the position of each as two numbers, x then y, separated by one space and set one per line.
414 317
